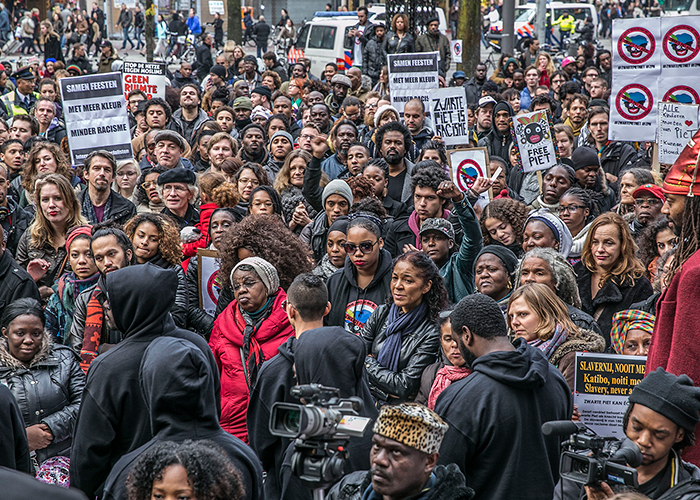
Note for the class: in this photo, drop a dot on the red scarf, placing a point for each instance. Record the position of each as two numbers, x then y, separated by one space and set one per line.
444 377
93 330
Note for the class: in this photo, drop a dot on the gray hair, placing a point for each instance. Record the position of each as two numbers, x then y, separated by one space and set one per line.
562 273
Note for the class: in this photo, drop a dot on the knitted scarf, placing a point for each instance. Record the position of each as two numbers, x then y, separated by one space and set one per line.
68 288
89 209
399 324
549 346
444 377
93 330
251 352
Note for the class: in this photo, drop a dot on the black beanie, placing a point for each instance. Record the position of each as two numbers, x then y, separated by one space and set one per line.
584 157
676 398
510 261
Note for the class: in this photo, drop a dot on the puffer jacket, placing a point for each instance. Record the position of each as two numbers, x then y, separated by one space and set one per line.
373 58
48 391
418 350
226 343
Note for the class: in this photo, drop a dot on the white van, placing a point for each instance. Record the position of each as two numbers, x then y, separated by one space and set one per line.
324 39
525 14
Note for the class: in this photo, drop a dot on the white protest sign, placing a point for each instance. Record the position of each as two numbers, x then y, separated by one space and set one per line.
95 116
149 77
456 51
216 7
680 45
448 111
633 111
209 288
677 125
636 46
602 386
412 76
466 165
535 141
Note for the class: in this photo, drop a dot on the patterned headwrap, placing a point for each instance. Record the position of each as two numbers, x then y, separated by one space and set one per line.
630 319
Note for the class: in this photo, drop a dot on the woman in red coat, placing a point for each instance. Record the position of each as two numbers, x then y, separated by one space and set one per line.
251 328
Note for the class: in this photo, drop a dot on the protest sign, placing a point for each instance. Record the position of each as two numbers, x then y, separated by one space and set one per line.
636 46
633 111
456 51
680 44
95 115
448 111
216 7
535 141
603 384
209 288
149 77
677 125
412 76
466 165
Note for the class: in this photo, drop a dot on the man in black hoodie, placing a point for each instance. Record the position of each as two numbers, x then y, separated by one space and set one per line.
114 419
498 444
329 356
177 385
498 140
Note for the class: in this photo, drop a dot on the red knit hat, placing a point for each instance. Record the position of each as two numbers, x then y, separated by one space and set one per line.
684 178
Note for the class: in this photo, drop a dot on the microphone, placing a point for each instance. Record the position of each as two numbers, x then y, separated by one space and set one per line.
562 428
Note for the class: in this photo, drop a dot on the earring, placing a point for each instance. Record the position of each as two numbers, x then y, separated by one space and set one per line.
510 286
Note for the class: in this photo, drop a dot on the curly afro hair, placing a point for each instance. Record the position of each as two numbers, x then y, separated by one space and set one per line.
428 173
210 473
269 238
646 241
506 210
169 246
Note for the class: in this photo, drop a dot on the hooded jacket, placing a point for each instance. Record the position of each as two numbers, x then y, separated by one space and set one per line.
226 342
47 392
113 418
419 349
352 306
496 143
495 417
275 379
177 385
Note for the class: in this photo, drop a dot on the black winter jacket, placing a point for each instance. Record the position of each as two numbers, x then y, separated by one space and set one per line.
20 221
117 209
617 157
186 411
20 486
448 483
498 144
352 306
197 320
612 297
395 45
509 393
418 350
14 452
261 32
374 58
15 282
48 391
473 89
26 252
315 233
204 61
113 419
400 234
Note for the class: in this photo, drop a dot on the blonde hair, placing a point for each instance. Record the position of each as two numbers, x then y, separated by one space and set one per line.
547 306
41 230
222 136
124 163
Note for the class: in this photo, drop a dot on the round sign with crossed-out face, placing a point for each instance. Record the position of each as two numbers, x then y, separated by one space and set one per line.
636 45
458 48
467 172
682 94
681 43
634 102
213 288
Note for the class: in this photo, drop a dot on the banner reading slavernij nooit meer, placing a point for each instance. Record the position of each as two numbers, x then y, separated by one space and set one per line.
412 76
95 116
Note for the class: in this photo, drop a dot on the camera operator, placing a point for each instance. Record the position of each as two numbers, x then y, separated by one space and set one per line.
404 458
330 356
660 420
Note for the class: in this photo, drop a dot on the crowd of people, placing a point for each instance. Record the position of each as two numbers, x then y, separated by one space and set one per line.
347 257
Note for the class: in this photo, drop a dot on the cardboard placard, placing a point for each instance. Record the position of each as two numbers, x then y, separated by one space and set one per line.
448 109
466 165
456 51
603 384
677 125
149 77
535 141
412 76
208 262
95 116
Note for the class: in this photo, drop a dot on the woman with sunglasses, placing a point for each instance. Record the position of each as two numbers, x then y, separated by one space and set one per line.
362 284
577 210
403 337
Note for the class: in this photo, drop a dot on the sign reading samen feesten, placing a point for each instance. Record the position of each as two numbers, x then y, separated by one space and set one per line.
95 116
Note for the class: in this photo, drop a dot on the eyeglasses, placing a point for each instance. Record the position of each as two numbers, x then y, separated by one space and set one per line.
148 184
307 137
365 247
647 201
247 284
176 188
572 209
371 106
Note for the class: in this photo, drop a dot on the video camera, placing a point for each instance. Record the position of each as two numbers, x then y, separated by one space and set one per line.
589 459
321 429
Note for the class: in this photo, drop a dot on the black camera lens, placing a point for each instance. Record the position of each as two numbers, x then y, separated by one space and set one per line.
291 421
580 466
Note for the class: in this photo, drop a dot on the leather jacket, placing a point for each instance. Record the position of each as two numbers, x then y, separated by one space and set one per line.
418 350
48 391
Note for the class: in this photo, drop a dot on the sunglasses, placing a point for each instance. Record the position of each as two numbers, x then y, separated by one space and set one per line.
365 247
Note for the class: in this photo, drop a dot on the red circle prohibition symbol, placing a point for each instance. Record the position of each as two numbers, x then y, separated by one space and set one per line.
636 45
634 102
671 96
467 172
681 43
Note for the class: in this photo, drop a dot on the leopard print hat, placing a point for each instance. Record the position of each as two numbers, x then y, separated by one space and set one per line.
411 424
